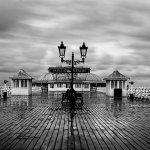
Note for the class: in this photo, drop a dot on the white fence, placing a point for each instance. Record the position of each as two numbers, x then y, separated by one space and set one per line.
140 92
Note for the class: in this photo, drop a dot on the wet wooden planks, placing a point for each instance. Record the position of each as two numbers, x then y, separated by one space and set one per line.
94 128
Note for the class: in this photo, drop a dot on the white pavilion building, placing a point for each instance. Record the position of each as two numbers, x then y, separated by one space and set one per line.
116 84
21 83
61 82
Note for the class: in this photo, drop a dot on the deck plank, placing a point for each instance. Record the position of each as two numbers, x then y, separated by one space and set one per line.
96 126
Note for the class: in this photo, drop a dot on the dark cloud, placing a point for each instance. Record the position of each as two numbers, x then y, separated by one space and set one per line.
116 32
10 13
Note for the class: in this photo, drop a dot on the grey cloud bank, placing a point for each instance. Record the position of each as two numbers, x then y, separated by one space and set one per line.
117 33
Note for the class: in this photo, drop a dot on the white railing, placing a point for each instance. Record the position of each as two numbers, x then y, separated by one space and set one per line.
140 92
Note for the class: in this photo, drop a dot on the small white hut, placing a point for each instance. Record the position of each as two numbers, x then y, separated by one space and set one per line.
116 84
21 83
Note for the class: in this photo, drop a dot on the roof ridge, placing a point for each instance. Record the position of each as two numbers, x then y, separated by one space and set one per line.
91 77
21 74
116 75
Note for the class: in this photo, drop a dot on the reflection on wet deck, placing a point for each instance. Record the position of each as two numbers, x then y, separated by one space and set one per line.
39 122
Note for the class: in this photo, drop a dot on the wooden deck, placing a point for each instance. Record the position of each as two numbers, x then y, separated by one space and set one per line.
106 126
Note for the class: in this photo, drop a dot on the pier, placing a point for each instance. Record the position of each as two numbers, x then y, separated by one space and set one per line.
40 122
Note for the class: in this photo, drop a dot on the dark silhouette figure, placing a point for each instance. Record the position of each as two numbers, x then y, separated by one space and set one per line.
5 81
67 94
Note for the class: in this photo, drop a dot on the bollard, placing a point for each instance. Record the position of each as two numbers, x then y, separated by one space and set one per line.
131 97
4 95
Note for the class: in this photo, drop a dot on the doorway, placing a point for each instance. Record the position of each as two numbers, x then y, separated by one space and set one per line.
117 92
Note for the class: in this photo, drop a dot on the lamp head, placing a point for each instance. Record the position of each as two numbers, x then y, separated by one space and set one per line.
62 50
83 51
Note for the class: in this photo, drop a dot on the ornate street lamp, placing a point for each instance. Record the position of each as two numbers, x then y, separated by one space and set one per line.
62 50
83 51
72 62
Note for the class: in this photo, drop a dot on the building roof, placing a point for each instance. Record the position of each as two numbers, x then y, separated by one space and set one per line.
45 77
116 75
21 74
80 77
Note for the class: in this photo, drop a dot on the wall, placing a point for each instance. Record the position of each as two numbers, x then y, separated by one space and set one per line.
101 89
63 88
19 91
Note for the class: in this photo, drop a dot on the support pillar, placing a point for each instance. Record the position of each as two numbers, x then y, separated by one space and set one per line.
125 84
117 84
28 84
12 84
19 83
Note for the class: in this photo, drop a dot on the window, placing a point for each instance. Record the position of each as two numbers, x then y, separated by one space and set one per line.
123 84
67 85
120 84
115 84
77 85
23 83
86 85
59 85
16 83
112 84
51 85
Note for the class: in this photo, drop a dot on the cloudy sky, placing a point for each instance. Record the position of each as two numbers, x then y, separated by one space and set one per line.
117 33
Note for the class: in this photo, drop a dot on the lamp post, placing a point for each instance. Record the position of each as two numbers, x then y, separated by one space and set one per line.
72 62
